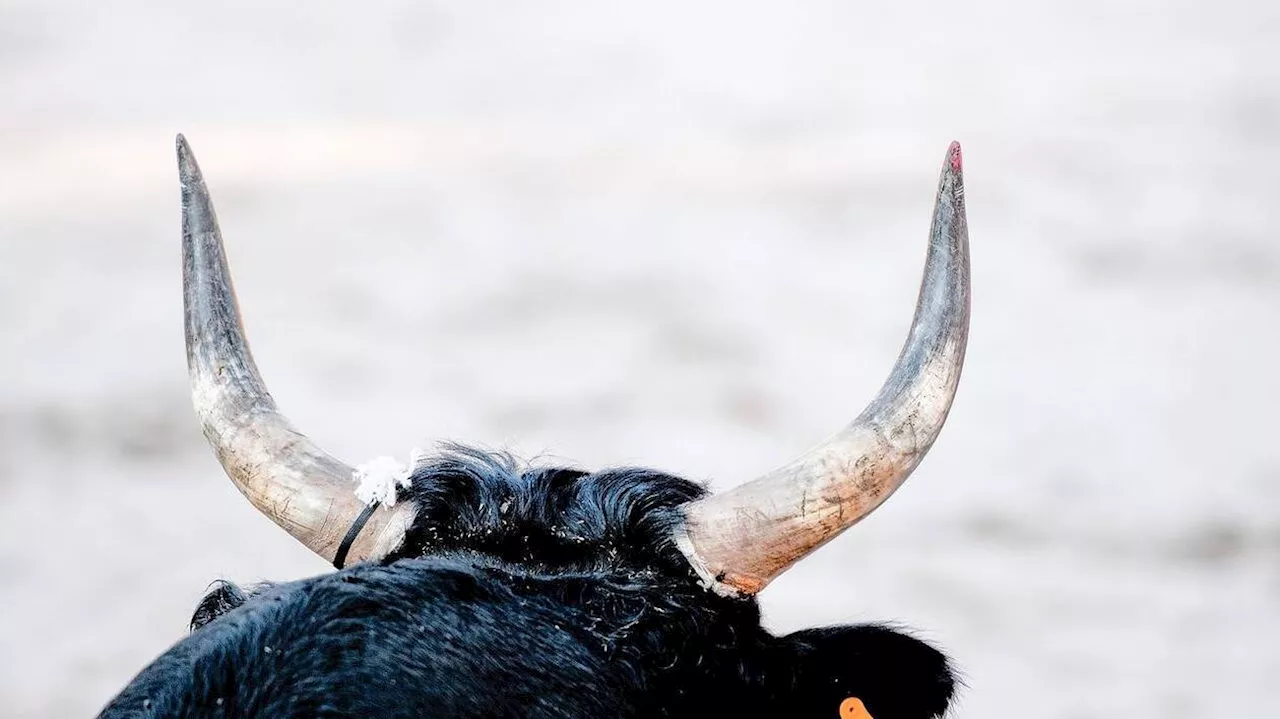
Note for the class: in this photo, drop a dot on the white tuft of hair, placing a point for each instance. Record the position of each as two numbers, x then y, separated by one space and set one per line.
378 479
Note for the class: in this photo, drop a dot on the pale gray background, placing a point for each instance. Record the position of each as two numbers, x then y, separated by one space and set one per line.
681 234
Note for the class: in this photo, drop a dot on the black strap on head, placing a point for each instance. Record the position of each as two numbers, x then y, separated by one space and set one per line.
340 558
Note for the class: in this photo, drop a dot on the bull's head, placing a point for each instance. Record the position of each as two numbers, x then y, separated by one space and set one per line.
737 541
480 589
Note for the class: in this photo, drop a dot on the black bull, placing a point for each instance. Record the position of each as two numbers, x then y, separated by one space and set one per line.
513 592
570 603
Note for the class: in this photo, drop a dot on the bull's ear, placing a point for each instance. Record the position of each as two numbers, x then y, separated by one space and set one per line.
889 674
221 598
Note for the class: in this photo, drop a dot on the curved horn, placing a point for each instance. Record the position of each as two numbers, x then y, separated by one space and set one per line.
741 539
285 475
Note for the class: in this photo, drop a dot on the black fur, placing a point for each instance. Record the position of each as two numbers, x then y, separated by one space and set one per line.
535 593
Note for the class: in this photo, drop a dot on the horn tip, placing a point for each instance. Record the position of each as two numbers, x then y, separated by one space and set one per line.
955 158
188 169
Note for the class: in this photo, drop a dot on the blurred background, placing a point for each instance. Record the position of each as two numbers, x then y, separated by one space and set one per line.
686 235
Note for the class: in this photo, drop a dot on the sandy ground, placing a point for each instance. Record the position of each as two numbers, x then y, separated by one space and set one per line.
679 234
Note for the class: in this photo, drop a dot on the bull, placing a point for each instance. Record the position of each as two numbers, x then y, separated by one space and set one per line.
473 586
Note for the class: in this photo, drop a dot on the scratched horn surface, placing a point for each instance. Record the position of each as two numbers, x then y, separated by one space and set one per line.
681 234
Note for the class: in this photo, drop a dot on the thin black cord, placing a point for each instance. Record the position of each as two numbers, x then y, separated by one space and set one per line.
341 557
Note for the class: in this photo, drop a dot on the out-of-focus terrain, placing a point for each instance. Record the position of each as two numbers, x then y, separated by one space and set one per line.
679 234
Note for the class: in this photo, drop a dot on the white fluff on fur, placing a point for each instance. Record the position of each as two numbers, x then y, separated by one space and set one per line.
378 479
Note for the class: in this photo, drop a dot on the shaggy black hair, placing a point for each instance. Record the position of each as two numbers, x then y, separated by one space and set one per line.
550 520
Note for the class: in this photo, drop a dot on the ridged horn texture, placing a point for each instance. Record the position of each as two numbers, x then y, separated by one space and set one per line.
741 539
285 475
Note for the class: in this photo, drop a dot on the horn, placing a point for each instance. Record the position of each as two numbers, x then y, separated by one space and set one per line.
741 539
285 475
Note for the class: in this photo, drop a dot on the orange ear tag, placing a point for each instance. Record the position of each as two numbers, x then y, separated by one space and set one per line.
853 708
